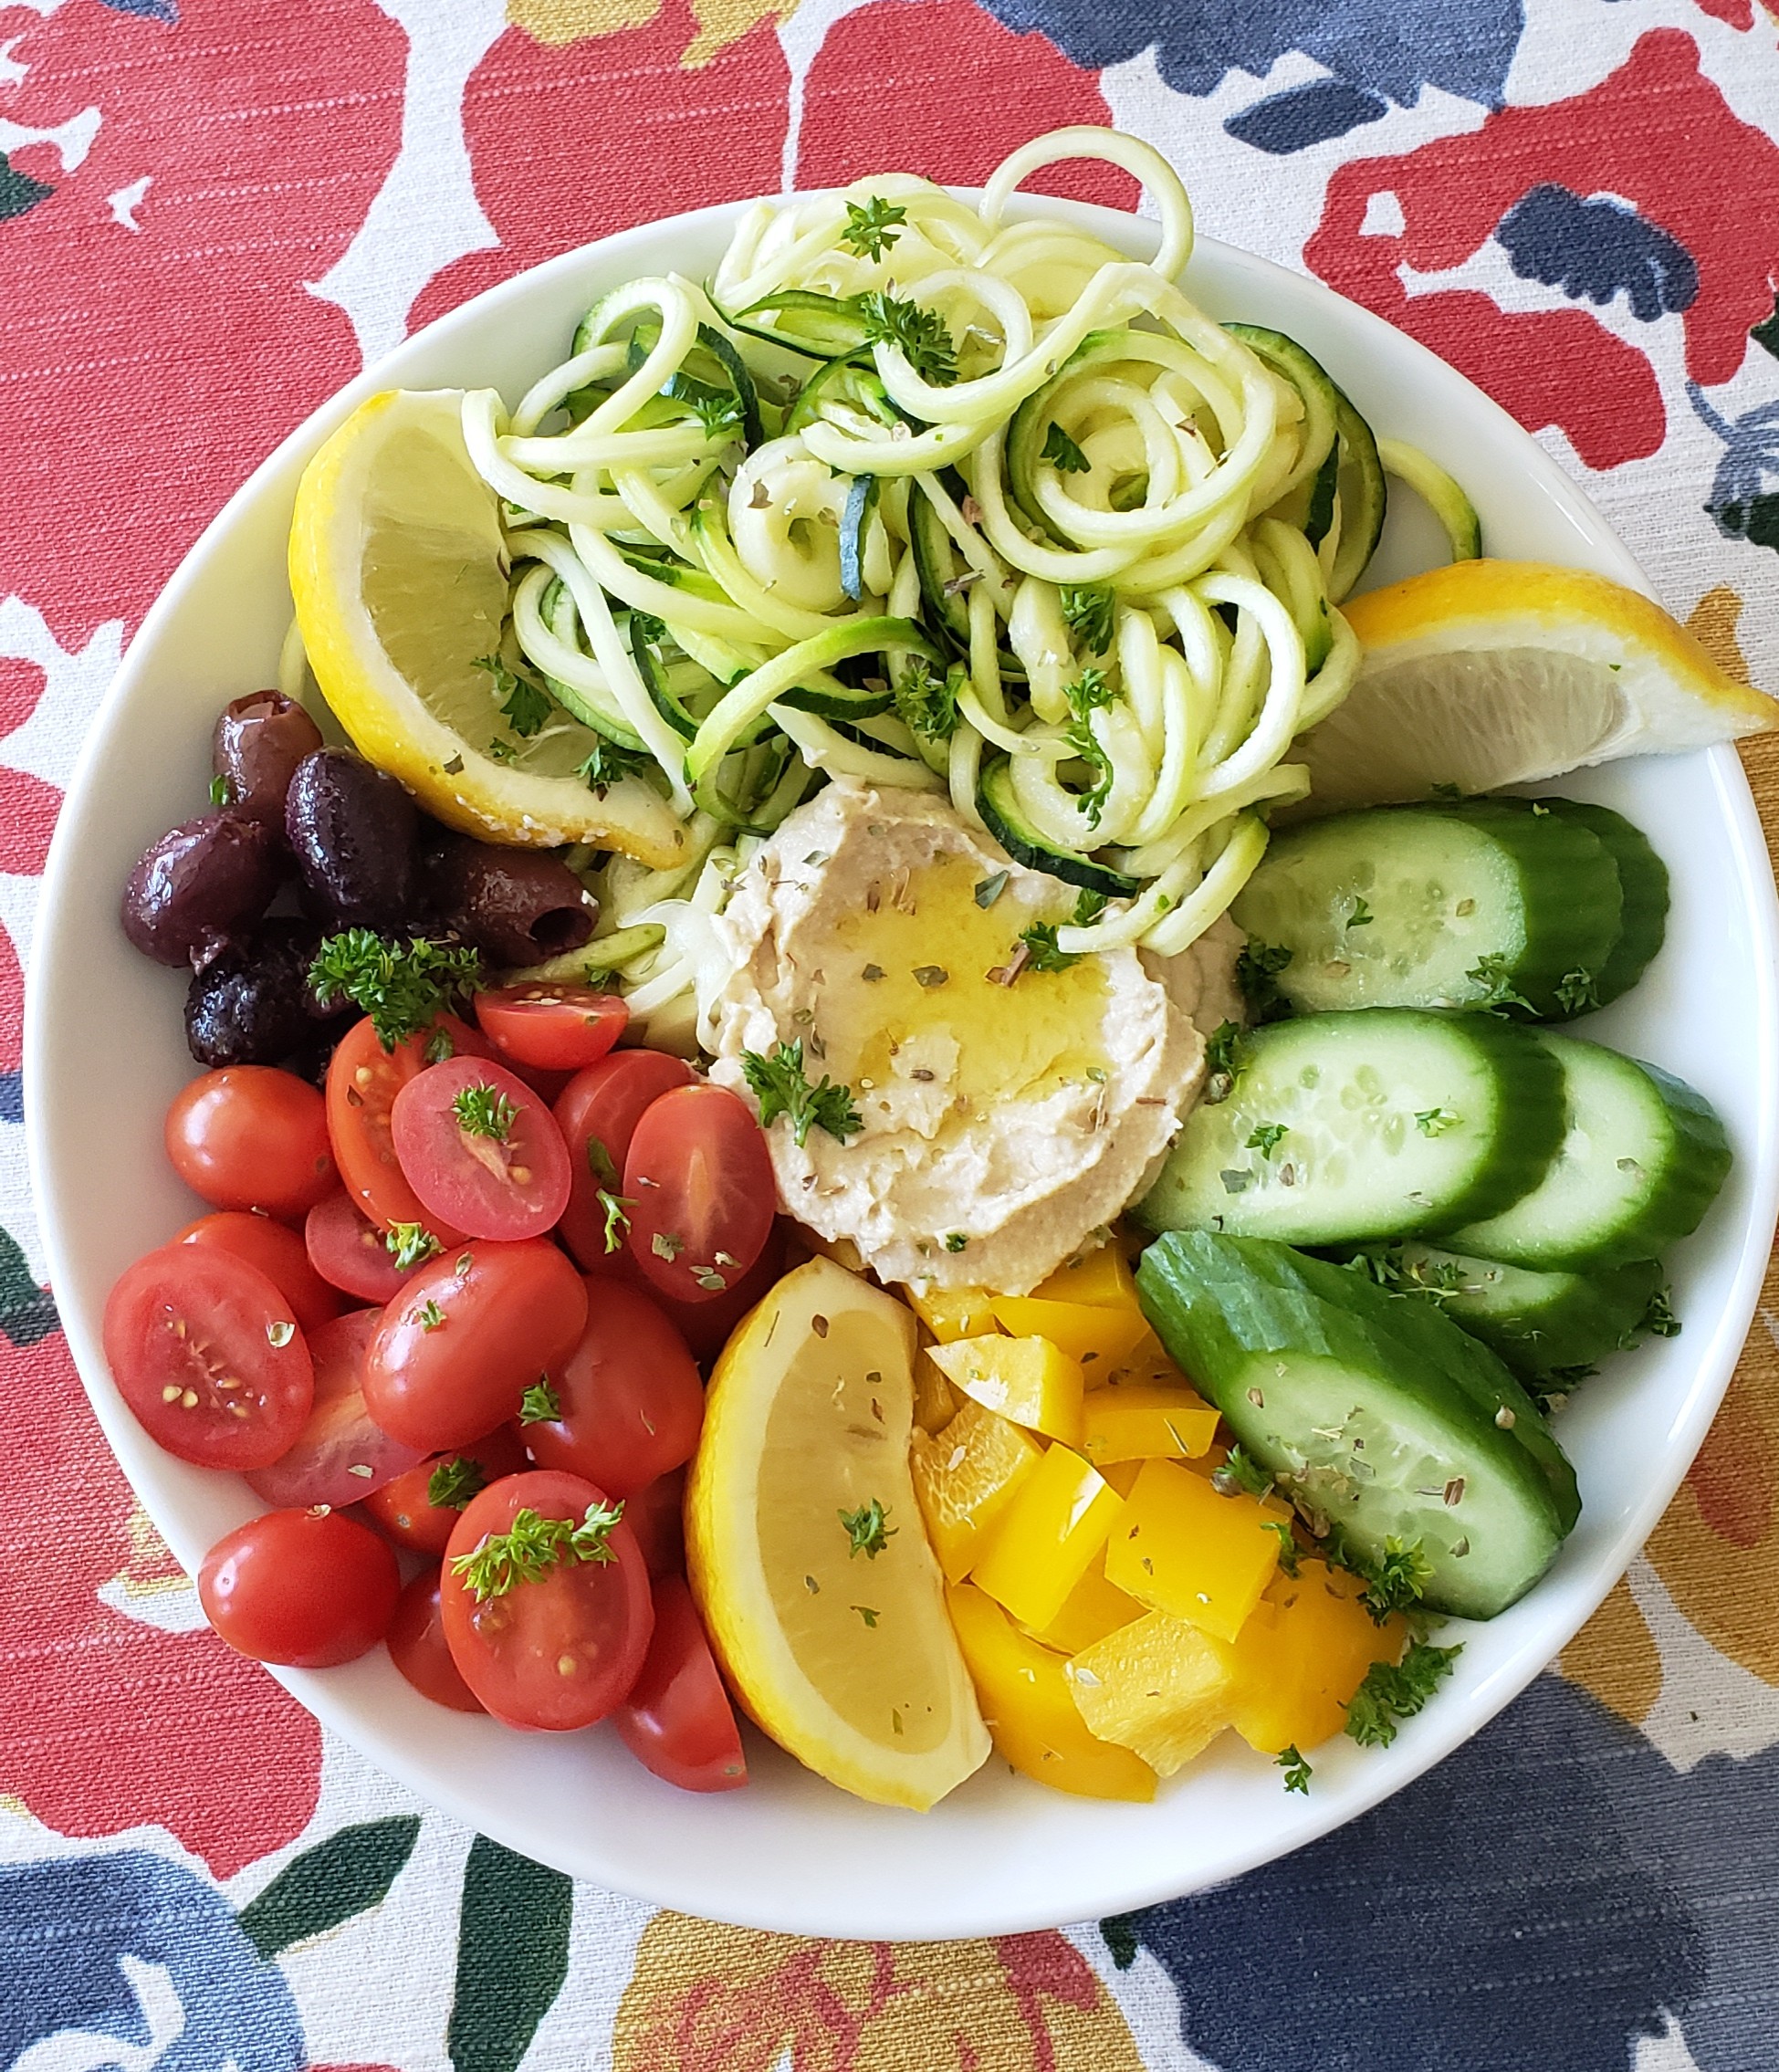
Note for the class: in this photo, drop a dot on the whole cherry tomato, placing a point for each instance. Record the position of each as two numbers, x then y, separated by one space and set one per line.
561 1028
340 1456
468 1334
655 1514
699 1179
417 1647
678 1719
481 1150
304 1588
279 1254
421 1509
630 1402
545 1603
205 1351
251 1136
598 1112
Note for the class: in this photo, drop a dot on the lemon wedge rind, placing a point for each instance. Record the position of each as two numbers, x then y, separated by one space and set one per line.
398 567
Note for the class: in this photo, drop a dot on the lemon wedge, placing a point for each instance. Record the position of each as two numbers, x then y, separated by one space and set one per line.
399 571
827 1615
1492 673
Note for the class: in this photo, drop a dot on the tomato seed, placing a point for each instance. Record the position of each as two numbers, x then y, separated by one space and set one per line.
170 1394
566 1665
189 1400
521 1176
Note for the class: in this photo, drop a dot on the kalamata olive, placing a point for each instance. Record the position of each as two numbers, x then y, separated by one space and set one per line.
258 742
200 887
253 1005
516 905
353 828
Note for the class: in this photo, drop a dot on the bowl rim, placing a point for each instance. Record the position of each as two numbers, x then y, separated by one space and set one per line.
1442 1729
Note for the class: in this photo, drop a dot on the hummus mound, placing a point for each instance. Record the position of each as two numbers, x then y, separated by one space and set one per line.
1004 1123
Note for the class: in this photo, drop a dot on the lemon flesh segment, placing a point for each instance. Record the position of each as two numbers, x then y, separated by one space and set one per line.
399 570
1493 673
846 1658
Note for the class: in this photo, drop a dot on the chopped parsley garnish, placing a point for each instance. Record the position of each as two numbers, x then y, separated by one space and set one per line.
866 1529
1087 607
872 229
919 335
1222 1061
1435 1122
1297 1772
1393 1692
1089 907
1257 971
219 791
609 764
453 1482
539 1405
1265 1139
484 1111
1041 953
402 990
409 1244
1287 1543
439 1046
1241 1474
599 1163
926 703
1086 744
1494 976
525 705
617 1208
956 1240
532 1545
1393 1583
429 1316
719 411
1362 915
782 1088
1062 452
1578 992
1659 1319
1090 692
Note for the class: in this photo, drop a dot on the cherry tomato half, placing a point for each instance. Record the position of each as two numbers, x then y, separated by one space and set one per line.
349 1253
206 1352
251 1136
279 1254
469 1334
678 1719
304 1588
561 1028
655 1514
598 1113
340 1456
413 1516
481 1150
631 1399
363 1080
418 1648
700 1179
559 1651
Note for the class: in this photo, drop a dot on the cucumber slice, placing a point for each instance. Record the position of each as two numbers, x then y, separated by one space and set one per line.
1543 1325
1641 1159
1307 375
841 386
1442 495
1364 499
1378 1417
1003 819
940 563
1643 886
1344 1126
1462 906
822 326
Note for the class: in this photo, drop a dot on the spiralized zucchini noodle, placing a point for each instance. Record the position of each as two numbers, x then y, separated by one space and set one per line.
919 493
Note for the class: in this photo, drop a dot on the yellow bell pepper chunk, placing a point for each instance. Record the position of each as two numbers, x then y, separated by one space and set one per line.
1026 1703
936 1402
1094 1609
1181 1547
1159 1687
951 1314
1302 1655
1101 1277
1029 1380
964 1478
1098 1337
1134 1420
1047 1537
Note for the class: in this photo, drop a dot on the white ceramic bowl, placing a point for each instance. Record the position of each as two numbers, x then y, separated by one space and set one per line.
105 1053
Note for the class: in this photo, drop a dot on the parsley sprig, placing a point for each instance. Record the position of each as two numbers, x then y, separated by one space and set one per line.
868 1531
453 1482
539 1405
1500 995
484 1111
609 764
782 1088
1087 607
1257 971
532 1545
1298 1773
1041 953
1062 452
870 229
1396 1691
525 705
919 335
926 702
410 1245
400 988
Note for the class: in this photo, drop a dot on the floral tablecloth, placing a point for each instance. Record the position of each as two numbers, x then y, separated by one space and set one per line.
211 213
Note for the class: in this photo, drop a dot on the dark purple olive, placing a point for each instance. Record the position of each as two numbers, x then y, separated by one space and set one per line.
258 742
517 906
353 829
200 887
253 1005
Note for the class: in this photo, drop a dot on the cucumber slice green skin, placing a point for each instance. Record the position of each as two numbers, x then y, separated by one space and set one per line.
936 558
1542 1325
1642 885
1322 399
841 380
1001 816
1642 1158
1372 1434
1357 1157
1469 904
